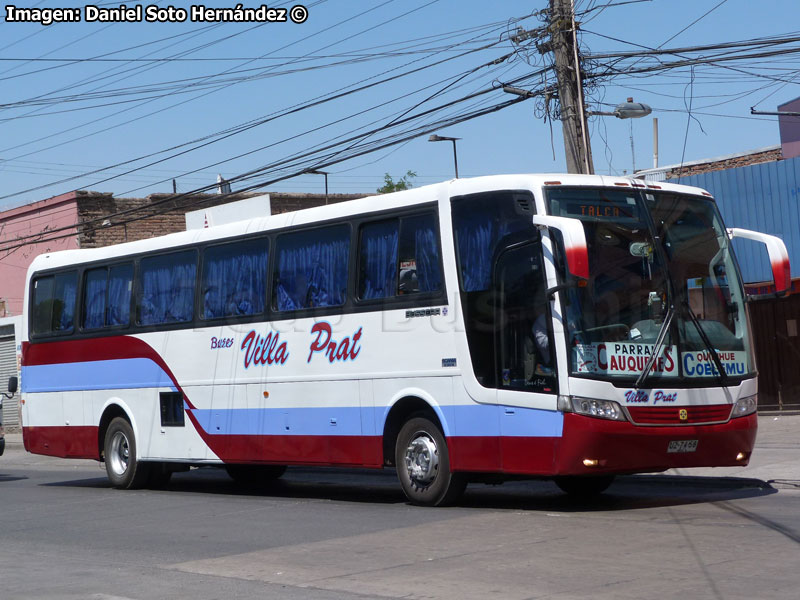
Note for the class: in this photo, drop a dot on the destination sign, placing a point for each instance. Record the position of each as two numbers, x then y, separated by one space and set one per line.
624 358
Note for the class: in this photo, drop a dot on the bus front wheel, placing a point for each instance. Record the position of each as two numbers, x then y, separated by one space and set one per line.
423 465
123 469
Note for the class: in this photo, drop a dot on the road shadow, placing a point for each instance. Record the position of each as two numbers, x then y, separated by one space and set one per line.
4 477
630 492
382 487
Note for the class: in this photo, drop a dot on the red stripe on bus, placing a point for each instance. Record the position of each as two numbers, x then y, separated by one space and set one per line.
508 454
342 450
65 442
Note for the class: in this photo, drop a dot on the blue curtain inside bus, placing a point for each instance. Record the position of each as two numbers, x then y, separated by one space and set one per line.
234 279
477 239
479 223
429 275
312 268
111 309
120 282
94 298
64 296
167 294
378 274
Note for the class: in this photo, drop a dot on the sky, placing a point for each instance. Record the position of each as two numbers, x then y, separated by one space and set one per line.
127 108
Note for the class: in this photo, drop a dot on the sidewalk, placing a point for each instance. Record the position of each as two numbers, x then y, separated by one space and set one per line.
775 460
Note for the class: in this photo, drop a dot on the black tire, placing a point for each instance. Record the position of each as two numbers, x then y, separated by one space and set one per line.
123 469
584 486
423 465
255 475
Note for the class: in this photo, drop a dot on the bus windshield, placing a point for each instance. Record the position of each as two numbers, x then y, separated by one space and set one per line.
662 281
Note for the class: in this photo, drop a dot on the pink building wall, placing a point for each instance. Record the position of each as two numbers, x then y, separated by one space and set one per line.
790 129
37 218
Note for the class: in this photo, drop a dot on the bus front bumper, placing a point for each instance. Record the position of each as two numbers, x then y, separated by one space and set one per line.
591 446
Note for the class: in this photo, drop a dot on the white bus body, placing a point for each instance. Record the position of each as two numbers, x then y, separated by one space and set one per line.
442 376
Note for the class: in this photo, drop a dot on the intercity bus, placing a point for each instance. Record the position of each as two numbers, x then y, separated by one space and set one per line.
546 326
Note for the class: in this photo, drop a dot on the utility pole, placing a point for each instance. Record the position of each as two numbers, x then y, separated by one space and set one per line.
563 38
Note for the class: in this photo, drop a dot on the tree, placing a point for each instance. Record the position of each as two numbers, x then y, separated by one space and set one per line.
390 185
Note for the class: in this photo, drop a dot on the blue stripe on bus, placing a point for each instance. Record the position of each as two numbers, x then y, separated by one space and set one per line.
469 421
281 421
484 419
475 420
95 375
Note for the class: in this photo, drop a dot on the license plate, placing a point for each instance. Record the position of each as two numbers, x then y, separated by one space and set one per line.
682 446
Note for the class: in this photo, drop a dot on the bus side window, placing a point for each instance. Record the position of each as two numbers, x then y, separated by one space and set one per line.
311 268
234 281
54 303
107 297
420 267
377 273
166 289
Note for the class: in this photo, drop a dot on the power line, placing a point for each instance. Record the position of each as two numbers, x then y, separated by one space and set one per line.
356 152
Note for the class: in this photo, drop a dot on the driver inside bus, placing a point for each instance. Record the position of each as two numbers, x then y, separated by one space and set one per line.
541 339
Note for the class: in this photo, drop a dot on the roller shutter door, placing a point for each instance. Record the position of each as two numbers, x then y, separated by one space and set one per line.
8 367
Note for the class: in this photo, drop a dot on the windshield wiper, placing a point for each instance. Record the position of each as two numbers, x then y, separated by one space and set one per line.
662 334
723 376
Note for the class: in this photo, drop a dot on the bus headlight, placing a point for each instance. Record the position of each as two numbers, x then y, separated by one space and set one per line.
602 409
745 406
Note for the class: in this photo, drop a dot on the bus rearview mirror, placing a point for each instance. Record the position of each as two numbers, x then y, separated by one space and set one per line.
574 242
778 255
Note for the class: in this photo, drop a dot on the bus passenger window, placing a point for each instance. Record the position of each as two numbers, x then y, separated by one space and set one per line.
107 297
377 275
166 289
420 267
234 281
311 268
54 303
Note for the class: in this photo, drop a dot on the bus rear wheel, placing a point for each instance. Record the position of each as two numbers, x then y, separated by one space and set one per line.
423 465
584 486
124 470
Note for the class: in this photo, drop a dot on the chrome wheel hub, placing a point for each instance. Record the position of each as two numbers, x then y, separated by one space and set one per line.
120 453
422 459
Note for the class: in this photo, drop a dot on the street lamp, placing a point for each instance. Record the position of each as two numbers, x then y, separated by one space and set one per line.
633 110
326 181
441 138
626 110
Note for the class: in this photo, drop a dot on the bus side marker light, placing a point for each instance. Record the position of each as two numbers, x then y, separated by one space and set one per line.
266 394
741 456
591 462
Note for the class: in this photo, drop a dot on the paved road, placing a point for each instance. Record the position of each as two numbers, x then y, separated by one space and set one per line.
64 533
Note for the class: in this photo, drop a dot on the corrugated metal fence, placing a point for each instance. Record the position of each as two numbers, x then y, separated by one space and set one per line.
766 197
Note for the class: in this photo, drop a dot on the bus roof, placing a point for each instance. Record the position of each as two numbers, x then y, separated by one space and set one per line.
368 204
